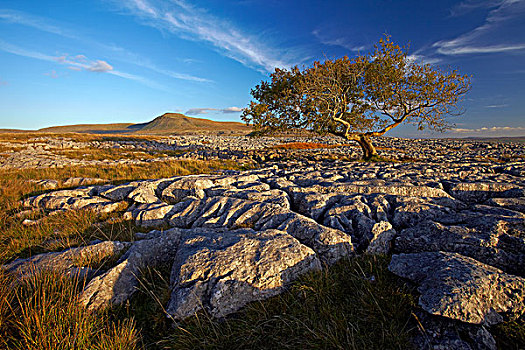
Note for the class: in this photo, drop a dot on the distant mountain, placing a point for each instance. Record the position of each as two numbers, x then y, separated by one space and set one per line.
179 123
168 123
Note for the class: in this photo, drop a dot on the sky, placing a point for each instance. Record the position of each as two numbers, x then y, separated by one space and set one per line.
113 61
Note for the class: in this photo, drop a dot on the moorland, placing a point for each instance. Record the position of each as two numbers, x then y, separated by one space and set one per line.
119 239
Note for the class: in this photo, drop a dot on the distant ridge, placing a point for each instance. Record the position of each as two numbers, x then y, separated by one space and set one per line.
168 123
176 122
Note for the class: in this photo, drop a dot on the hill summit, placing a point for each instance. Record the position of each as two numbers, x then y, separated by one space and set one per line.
180 123
168 123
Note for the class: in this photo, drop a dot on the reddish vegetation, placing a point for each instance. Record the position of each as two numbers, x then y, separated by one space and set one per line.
307 145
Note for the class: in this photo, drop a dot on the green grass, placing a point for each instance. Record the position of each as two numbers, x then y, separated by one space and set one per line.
355 304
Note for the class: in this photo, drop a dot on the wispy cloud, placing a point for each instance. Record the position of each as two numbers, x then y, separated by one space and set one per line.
140 79
192 23
78 62
491 131
343 42
497 106
16 50
419 58
43 24
83 63
53 74
471 5
504 17
197 111
3 83
228 110
36 22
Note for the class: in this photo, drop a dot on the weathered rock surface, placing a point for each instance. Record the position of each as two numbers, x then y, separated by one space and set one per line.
461 288
72 261
236 237
223 271
120 282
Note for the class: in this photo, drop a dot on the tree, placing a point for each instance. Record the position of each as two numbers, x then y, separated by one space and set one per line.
358 98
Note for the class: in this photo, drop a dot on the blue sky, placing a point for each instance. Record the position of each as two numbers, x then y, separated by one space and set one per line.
102 61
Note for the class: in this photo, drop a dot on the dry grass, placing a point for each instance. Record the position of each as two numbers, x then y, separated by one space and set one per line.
42 312
24 137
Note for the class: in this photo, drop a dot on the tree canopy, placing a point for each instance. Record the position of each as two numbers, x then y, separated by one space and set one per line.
358 98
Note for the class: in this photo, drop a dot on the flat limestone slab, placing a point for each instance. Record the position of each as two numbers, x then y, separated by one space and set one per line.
461 288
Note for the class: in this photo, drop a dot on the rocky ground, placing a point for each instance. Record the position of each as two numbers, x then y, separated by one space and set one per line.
52 151
453 220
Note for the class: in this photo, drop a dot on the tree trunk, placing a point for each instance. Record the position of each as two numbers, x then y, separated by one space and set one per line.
369 151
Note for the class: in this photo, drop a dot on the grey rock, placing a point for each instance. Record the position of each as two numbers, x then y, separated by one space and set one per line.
156 214
70 261
476 192
382 235
223 271
411 210
193 186
120 282
145 192
481 243
331 244
516 204
118 193
461 288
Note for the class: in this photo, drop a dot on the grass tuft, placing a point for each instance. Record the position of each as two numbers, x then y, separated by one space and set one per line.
355 304
43 312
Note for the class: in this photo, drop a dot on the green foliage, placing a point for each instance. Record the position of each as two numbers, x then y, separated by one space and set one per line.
358 98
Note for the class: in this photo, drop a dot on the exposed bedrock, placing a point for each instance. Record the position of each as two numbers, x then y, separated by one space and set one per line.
461 288
457 230
221 271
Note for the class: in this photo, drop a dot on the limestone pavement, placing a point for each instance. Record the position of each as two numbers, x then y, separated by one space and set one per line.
455 227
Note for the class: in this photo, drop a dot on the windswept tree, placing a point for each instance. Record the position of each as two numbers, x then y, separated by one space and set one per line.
358 98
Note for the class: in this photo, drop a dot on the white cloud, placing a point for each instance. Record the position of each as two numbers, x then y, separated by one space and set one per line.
81 62
504 17
43 24
227 110
99 66
418 58
78 63
490 131
497 106
192 23
232 110
197 111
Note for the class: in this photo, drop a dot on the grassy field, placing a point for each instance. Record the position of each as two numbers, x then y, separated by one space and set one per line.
355 304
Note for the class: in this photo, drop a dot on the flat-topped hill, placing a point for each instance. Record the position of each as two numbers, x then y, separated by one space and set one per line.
168 123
